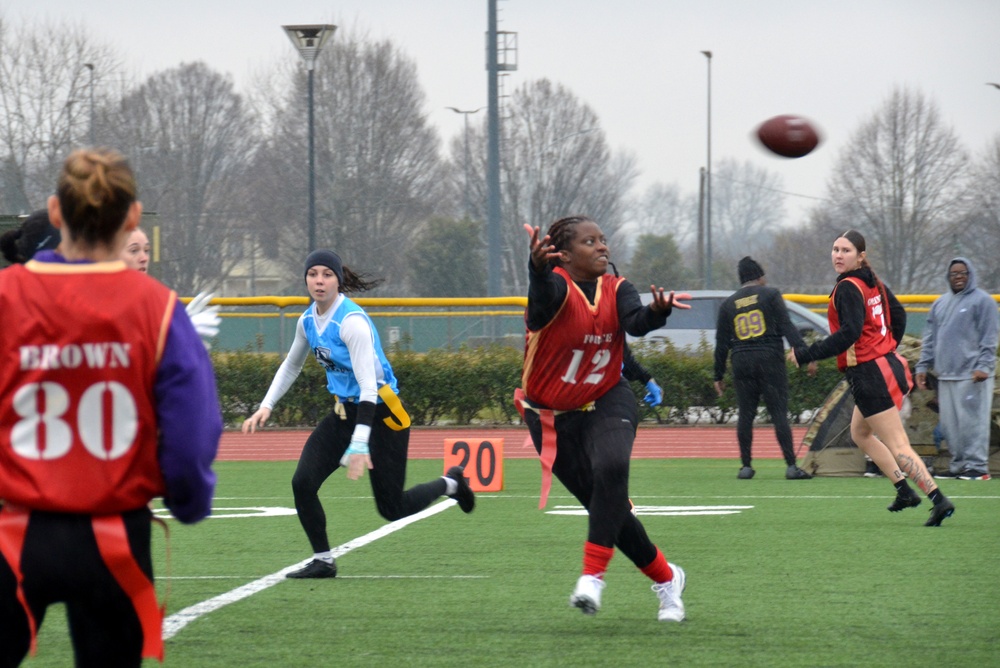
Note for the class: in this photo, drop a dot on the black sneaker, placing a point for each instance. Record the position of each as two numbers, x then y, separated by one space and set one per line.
904 499
795 473
973 475
940 512
315 569
745 473
465 496
946 474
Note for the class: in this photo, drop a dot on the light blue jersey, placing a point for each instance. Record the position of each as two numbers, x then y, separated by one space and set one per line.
331 351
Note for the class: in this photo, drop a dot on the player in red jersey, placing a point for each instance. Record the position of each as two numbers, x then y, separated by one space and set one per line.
579 410
866 324
107 400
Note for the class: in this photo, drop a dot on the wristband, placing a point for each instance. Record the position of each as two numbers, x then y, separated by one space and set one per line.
355 448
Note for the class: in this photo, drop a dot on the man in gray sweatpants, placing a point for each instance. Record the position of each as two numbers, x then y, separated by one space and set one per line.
960 346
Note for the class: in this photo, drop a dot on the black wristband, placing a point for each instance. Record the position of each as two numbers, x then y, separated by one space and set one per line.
366 413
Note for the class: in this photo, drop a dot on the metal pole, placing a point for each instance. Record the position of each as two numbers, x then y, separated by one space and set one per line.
708 183
90 66
701 225
312 168
468 158
308 40
493 237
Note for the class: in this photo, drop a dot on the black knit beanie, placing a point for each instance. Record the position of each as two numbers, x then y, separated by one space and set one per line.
748 270
326 258
35 234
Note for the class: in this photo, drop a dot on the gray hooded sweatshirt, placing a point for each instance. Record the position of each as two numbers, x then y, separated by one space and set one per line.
961 332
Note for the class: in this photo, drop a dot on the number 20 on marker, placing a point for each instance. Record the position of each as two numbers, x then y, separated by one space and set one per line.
482 461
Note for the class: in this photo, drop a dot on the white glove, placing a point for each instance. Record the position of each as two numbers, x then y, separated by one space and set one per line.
204 317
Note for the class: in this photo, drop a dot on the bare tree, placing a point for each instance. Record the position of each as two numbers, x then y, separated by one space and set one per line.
47 71
747 208
978 237
901 180
555 161
191 139
664 209
798 259
378 171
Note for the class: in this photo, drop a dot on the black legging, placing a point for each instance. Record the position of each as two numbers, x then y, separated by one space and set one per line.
60 562
592 462
759 373
321 457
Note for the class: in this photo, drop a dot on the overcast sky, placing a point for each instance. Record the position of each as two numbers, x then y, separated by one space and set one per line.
637 63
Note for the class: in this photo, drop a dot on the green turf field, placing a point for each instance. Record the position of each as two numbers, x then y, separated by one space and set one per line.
809 573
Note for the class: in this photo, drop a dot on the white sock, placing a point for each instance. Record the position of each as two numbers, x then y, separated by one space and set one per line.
450 485
324 556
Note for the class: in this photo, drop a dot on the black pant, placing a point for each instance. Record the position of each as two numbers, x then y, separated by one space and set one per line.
759 373
593 449
60 562
321 457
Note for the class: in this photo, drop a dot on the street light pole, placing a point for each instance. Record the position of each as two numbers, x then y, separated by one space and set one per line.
308 40
494 239
312 163
708 182
90 66
468 158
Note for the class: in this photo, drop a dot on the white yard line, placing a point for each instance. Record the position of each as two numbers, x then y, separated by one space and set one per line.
173 624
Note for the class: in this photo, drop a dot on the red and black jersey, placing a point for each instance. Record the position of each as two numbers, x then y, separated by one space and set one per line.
79 350
876 338
577 356
866 322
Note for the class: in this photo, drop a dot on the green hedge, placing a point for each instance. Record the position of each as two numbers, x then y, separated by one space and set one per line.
689 389
476 386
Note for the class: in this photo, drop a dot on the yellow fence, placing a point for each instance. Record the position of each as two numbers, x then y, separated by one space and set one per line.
262 323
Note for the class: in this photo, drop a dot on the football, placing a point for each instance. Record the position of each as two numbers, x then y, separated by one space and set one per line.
788 136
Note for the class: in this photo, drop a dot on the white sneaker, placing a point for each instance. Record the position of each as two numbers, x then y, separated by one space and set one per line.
671 605
587 595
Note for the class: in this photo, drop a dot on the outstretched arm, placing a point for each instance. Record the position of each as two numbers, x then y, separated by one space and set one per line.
283 379
546 290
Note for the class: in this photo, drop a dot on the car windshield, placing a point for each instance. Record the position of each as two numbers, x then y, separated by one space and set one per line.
703 314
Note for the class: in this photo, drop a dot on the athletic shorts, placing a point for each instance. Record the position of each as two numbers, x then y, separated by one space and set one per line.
880 384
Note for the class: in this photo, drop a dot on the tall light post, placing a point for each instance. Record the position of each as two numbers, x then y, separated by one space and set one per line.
308 40
90 66
708 182
468 159
493 237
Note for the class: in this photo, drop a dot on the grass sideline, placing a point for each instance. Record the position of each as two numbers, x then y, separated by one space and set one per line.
816 573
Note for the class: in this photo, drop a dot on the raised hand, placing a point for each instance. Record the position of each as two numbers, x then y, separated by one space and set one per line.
664 302
541 250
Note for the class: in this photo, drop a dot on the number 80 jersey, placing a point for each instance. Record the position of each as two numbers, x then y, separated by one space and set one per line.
79 349
577 357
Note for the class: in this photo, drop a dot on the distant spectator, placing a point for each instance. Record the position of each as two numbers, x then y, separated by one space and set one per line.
960 347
